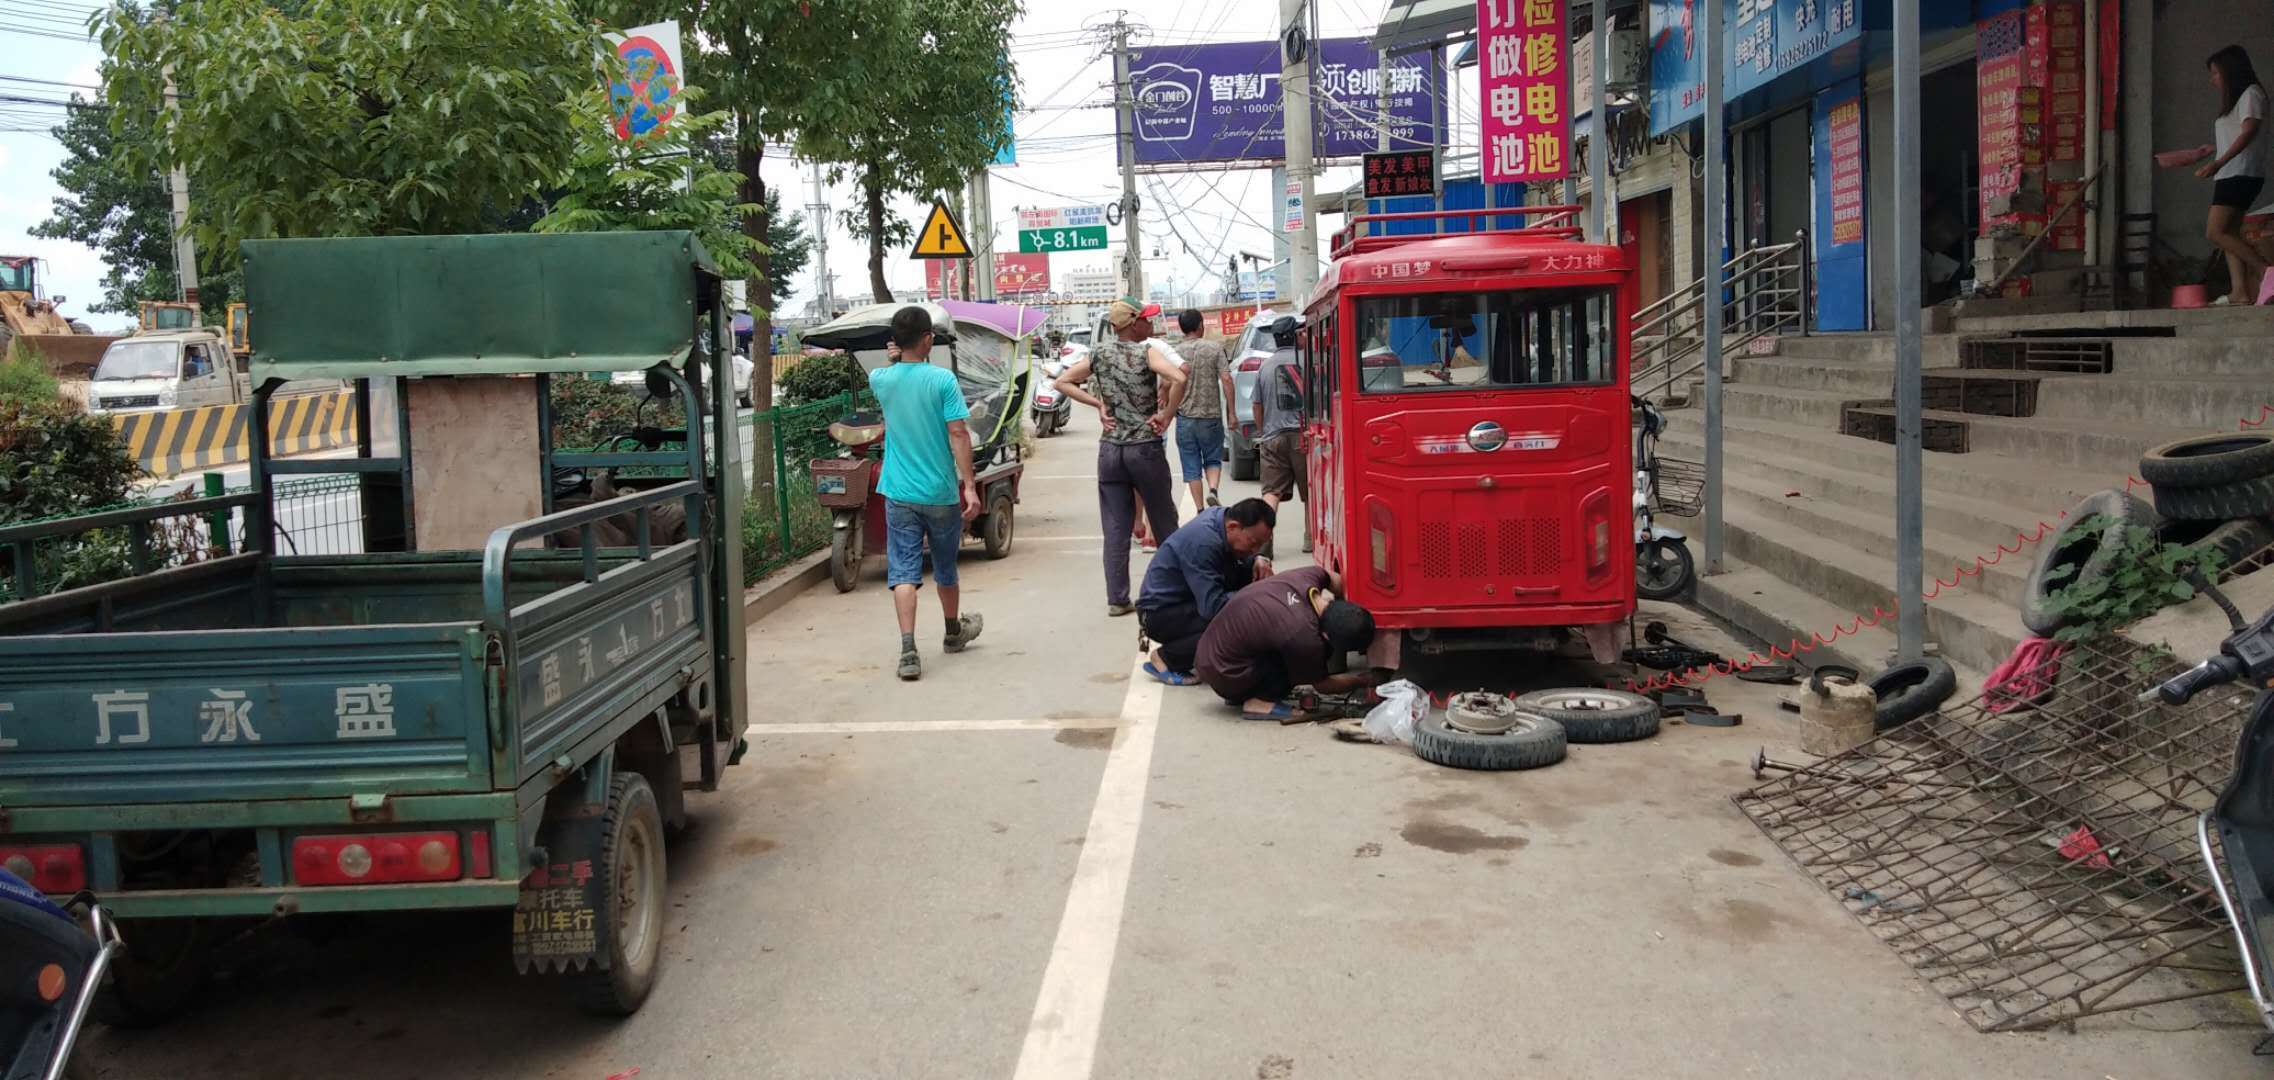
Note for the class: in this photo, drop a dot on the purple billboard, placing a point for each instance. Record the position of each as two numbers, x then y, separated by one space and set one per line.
1220 103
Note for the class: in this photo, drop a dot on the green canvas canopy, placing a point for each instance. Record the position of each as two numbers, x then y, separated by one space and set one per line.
356 307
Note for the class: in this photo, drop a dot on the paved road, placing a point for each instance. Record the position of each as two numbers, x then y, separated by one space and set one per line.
1027 866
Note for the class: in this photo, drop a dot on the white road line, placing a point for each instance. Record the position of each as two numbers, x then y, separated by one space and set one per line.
886 727
1062 1036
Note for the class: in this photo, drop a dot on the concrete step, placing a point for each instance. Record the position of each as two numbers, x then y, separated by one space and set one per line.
1816 408
1787 617
2031 488
1935 350
2188 356
1854 378
1870 530
2208 402
2065 443
2223 322
1976 630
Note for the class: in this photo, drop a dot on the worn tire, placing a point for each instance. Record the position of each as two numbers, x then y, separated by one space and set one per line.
2209 460
1678 571
2237 540
2093 552
845 558
997 529
1533 742
162 978
2220 502
1246 466
1594 715
631 856
1910 691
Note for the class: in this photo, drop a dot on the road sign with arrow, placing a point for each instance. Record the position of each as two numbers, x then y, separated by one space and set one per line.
941 237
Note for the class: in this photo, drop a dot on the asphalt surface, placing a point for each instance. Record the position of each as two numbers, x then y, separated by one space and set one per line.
1028 866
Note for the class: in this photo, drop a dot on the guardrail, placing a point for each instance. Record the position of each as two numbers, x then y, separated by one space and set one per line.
169 442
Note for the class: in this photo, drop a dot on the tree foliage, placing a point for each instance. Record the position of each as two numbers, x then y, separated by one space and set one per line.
651 181
939 115
120 211
352 117
789 245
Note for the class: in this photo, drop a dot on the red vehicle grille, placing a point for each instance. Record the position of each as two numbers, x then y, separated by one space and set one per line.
1519 547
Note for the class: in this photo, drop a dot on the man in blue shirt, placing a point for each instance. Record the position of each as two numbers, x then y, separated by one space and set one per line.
926 481
1196 571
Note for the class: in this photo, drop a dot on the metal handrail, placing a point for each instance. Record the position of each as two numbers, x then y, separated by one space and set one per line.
1768 293
497 555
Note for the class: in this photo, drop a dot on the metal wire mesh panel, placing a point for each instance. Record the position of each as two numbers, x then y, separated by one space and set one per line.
2035 865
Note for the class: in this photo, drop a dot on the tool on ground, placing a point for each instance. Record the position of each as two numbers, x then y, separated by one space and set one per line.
1763 765
1713 719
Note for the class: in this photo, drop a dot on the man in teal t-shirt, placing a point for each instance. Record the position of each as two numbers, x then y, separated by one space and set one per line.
926 482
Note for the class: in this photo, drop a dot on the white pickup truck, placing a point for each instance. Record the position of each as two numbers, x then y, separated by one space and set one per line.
167 369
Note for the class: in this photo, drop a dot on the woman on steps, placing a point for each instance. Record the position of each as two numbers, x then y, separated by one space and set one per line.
2236 166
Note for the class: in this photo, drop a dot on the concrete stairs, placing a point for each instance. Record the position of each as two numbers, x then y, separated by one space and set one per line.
1809 512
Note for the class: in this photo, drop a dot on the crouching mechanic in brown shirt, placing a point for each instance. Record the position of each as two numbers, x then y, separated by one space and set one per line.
1278 634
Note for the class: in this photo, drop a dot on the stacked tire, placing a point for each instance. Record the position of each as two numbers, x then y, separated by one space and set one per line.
1491 731
2217 491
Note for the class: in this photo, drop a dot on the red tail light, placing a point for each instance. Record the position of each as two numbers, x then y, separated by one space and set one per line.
376 858
1382 540
1595 539
51 868
1251 362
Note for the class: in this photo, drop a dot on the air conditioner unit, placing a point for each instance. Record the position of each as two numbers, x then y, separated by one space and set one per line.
1628 63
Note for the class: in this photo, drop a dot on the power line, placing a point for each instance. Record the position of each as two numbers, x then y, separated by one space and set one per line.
56 34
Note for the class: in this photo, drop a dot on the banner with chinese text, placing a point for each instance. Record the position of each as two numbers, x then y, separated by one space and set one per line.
1523 51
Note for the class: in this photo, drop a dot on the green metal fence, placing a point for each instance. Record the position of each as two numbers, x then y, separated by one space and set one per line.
781 521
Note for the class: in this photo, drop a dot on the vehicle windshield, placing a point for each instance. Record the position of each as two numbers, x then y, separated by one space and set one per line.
15 275
1523 338
139 360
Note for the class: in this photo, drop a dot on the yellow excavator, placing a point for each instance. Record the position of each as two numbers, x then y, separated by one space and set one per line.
26 313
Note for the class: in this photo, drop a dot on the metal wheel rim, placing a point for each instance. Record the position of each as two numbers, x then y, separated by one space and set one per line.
999 527
639 892
1499 713
1655 569
1580 701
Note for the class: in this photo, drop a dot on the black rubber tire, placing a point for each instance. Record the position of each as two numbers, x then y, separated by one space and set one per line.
998 529
845 557
631 829
1534 742
1675 582
2221 502
1613 716
162 979
1910 691
2073 545
2237 540
2209 460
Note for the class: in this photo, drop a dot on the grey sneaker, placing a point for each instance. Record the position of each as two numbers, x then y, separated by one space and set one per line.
1118 610
911 666
1213 498
967 627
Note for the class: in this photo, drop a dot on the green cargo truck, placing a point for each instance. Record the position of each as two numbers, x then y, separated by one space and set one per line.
498 703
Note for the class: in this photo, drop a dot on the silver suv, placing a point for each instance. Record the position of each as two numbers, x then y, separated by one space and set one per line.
1256 346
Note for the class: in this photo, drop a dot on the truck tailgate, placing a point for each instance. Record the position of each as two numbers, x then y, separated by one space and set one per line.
208 715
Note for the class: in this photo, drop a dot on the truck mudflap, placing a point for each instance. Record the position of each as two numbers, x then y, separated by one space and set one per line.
559 923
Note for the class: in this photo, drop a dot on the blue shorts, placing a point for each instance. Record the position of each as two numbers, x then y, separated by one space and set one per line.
906 527
1199 445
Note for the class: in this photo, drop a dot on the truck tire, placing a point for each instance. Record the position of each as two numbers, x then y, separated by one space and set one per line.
1910 691
1593 715
2238 540
631 858
1532 742
997 529
160 974
2253 497
2091 551
845 557
1247 460
2209 460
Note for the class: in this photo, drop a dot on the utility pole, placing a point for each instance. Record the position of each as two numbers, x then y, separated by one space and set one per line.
981 225
1717 232
1910 611
818 211
1125 102
1295 44
185 247
1598 125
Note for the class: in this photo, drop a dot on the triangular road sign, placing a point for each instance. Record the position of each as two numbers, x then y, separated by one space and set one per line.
941 237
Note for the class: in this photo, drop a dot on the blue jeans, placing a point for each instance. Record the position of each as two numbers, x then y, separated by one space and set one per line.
906 527
1199 445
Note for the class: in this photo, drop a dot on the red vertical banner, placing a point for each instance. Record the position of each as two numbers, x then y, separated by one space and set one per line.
2065 50
1524 83
1846 125
2069 235
2000 69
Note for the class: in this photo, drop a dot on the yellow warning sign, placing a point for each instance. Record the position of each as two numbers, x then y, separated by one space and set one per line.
941 237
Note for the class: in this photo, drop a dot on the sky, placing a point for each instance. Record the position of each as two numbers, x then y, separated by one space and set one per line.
1064 129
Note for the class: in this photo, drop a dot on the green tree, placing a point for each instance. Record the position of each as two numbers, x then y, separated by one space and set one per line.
651 181
117 210
789 248
937 116
351 117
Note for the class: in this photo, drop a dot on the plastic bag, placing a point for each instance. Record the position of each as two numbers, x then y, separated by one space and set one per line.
1401 708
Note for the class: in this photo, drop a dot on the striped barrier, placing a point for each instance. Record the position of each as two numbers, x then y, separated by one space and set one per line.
174 441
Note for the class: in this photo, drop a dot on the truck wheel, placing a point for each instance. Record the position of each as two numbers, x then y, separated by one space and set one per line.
845 557
1530 742
631 860
1595 715
159 975
1246 466
997 530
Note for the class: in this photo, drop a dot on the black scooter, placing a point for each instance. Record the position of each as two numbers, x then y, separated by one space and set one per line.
51 960
2244 812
